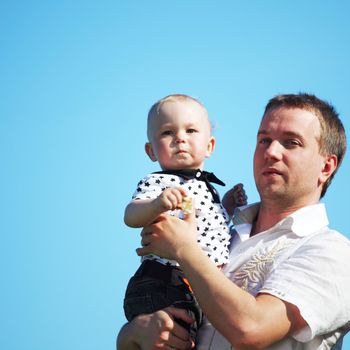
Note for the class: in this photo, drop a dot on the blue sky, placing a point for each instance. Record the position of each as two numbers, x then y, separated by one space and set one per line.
77 80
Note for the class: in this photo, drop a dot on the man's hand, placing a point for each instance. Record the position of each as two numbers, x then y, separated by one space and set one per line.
168 236
156 331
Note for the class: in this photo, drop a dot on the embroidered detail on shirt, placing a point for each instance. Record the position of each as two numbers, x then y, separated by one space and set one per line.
252 274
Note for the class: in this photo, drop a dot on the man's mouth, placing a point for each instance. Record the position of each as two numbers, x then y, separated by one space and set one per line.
271 172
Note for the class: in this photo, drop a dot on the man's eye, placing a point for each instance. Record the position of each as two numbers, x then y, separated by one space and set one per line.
265 141
291 143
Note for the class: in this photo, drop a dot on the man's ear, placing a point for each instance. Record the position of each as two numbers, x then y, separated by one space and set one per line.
329 166
210 147
149 151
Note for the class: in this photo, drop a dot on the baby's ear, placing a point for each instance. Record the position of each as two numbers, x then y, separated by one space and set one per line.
149 151
210 147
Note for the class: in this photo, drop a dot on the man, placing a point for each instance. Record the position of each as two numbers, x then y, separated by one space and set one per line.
286 286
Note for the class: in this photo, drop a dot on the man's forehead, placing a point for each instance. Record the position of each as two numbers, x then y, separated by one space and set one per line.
290 121
290 114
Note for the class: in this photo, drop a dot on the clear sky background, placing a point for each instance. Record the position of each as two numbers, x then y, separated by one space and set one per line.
76 81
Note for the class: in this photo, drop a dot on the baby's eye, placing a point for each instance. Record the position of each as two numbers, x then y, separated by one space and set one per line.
166 132
191 131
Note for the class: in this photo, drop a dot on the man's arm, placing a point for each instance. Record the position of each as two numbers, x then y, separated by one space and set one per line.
126 339
247 322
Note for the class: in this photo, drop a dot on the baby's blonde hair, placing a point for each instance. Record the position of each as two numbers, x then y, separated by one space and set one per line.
156 108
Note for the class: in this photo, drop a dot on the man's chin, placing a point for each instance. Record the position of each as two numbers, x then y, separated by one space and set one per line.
272 192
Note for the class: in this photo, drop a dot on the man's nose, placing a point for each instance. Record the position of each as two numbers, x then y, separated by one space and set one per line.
274 150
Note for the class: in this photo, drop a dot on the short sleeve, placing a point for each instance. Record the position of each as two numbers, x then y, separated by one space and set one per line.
148 188
316 279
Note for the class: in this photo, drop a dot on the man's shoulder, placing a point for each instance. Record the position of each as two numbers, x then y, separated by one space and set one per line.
328 243
330 235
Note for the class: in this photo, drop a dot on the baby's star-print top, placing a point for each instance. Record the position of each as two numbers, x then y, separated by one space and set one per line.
211 217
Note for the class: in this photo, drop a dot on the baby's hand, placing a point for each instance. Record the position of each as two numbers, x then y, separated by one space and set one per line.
239 196
171 198
234 198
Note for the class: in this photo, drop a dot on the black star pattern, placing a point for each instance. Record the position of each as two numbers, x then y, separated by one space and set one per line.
212 219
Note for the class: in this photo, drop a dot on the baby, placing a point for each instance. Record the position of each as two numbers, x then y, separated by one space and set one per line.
179 139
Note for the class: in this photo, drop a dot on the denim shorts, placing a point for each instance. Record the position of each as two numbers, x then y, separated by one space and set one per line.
156 286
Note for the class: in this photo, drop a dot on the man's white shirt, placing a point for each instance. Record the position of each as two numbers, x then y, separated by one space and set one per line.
299 260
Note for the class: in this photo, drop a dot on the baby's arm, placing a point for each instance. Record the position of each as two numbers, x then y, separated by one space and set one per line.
142 212
233 198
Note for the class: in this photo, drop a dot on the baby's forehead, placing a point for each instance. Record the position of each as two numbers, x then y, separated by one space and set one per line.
188 106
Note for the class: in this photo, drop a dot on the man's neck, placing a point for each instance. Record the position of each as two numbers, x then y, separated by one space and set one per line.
268 216
272 210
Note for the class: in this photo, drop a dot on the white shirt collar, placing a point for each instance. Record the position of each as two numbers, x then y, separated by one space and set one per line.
306 220
302 222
